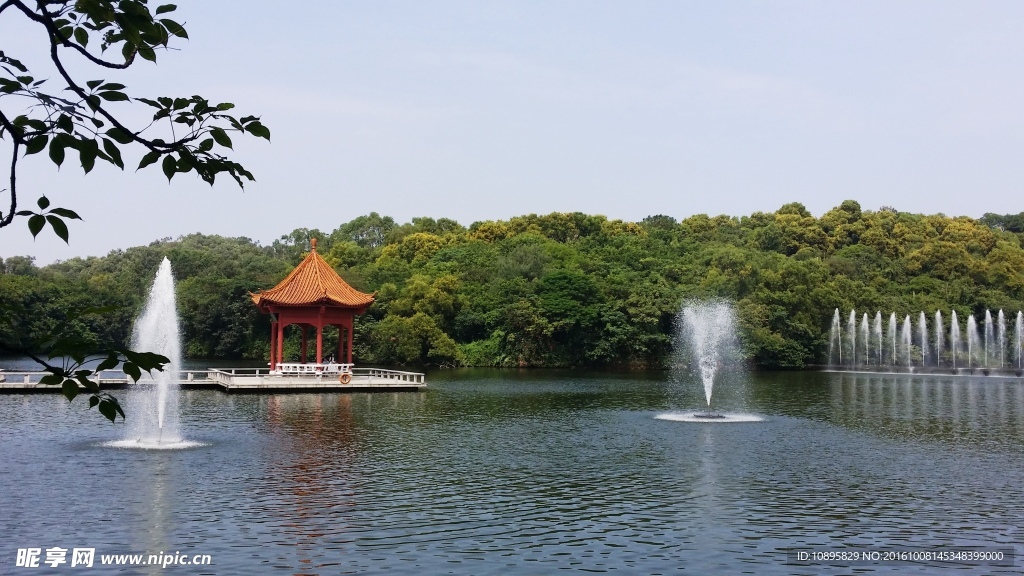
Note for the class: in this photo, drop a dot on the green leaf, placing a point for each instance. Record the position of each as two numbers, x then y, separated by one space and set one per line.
88 157
108 410
147 53
69 389
174 28
82 36
59 227
112 86
43 202
113 152
113 95
90 385
148 159
169 166
64 123
257 129
119 136
35 224
128 50
51 379
132 370
145 360
221 137
36 144
109 362
165 9
93 401
92 84
65 213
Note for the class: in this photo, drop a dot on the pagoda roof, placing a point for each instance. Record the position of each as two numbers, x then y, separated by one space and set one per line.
313 282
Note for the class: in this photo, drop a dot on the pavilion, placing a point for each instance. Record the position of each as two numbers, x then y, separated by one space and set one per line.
313 296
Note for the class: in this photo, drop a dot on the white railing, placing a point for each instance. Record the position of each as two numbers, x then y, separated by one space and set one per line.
294 372
105 377
313 369
383 373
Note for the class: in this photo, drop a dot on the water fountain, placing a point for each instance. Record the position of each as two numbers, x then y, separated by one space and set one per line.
922 328
985 345
152 406
707 334
954 338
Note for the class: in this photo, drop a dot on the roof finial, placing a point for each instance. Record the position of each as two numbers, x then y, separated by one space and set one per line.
313 242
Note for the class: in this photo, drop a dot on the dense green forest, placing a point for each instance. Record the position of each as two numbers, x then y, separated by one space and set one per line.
555 290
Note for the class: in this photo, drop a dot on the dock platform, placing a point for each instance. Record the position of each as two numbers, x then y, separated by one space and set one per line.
243 380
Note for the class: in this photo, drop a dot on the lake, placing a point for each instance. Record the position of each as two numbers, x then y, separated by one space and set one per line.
532 472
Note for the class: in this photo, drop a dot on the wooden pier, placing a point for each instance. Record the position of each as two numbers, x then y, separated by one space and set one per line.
246 380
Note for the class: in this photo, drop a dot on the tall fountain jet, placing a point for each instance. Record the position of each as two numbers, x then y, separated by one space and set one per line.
1018 339
709 328
707 337
1001 331
835 341
972 341
865 332
878 336
892 337
152 408
922 329
851 336
989 339
954 338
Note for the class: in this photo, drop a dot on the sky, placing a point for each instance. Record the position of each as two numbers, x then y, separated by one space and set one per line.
481 110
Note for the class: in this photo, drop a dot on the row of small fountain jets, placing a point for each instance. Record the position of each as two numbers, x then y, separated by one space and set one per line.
984 346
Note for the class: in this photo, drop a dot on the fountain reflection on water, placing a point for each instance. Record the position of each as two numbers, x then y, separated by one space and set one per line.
707 338
152 407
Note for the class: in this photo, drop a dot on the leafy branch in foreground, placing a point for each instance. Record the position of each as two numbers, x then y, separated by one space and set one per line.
61 114
191 132
69 355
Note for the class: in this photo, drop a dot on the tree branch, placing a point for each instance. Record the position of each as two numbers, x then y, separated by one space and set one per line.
46 19
14 192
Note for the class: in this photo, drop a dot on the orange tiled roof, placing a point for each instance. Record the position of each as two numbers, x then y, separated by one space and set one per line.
313 282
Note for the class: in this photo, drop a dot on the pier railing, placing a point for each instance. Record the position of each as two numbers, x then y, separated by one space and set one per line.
104 377
359 375
339 376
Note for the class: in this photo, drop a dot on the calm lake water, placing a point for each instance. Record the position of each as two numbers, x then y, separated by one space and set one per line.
508 472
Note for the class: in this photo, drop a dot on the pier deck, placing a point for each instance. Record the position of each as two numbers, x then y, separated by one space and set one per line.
233 380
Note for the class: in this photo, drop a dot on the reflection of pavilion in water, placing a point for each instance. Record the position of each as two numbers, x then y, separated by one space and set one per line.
317 484
957 409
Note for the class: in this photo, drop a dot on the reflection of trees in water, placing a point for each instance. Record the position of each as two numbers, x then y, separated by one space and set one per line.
960 410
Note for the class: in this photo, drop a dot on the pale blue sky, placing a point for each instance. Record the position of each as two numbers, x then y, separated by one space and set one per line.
480 110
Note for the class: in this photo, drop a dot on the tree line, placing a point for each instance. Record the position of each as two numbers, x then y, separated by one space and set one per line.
558 290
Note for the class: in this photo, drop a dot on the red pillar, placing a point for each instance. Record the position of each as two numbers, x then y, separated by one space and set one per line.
349 330
320 337
303 328
273 345
341 344
320 344
280 341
